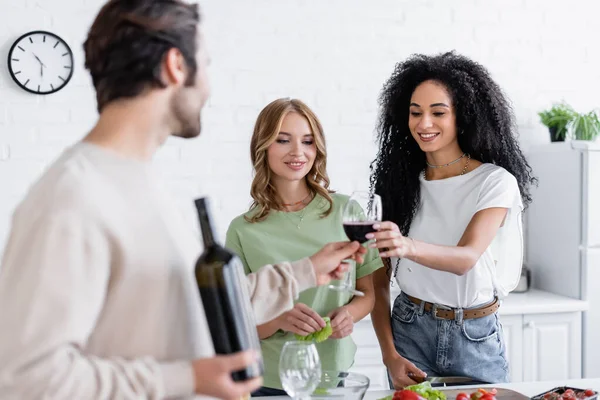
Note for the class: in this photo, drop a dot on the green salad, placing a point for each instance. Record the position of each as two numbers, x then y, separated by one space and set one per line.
424 389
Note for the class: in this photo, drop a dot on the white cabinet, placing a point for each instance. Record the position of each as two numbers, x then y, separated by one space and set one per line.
563 231
542 347
552 346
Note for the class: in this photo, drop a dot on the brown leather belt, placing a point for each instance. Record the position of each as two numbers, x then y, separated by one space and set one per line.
448 313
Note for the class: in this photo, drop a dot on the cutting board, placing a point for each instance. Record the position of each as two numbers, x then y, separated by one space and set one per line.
503 394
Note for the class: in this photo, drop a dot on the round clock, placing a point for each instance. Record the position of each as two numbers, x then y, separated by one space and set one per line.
40 62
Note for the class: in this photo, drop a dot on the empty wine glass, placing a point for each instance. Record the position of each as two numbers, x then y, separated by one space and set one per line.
362 210
299 369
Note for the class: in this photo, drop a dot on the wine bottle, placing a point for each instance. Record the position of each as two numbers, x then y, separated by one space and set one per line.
223 288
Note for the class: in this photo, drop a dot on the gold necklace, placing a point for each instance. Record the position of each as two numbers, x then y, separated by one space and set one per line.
301 218
285 213
298 202
464 170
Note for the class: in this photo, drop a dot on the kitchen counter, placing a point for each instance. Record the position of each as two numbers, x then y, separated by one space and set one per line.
537 301
527 388
533 301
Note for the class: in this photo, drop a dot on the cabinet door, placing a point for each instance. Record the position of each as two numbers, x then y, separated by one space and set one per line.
512 327
591 199
552 346
368 355
590 276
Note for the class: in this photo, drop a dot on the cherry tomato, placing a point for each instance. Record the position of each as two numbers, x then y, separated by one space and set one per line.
462 396
589 392
406 395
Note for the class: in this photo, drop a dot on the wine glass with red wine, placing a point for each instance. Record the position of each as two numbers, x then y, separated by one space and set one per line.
361 212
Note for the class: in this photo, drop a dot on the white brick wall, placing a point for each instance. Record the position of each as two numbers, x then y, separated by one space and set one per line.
333 54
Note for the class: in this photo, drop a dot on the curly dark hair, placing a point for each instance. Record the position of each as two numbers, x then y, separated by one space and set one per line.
484 119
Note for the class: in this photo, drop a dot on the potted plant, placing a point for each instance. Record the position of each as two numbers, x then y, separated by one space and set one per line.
557 120
585 126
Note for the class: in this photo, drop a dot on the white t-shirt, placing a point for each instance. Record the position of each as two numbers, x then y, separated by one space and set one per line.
447 207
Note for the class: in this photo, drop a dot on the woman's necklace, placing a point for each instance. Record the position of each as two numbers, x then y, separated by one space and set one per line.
299 221
464 170
445 165
303 201
298 202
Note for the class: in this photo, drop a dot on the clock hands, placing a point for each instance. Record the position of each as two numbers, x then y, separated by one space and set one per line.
40 61
42 65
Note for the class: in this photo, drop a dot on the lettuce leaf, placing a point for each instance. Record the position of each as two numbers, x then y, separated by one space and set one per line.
318 336
426 391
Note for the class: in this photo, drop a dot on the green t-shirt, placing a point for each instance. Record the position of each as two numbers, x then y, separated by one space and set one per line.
290 236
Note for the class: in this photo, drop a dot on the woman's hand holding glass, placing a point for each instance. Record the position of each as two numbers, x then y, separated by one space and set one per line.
362 210
390 242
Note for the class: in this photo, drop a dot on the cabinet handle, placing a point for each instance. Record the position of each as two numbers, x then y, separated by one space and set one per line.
530 324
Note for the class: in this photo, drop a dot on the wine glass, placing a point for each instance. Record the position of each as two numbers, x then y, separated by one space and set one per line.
299 369
362 210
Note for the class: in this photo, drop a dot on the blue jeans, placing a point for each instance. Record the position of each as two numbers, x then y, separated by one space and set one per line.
473 347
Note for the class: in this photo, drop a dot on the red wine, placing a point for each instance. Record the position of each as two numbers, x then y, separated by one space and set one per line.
224 292
358 230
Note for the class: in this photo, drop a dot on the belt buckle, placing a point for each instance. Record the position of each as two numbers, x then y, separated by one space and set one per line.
437 307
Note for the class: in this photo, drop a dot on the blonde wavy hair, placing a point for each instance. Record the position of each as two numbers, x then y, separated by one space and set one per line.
265 133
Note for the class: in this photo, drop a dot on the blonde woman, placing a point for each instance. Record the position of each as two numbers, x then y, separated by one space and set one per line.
293 215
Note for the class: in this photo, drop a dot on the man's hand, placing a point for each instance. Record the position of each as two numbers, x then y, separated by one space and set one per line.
301 320
342 322
327 262
213 376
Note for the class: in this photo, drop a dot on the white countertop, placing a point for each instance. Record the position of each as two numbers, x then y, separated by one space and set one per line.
533 301
537 301
527 388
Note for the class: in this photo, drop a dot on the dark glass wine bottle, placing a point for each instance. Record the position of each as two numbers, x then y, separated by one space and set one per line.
224 292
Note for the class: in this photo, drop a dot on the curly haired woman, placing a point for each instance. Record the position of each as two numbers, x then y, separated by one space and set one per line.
294 213
453 183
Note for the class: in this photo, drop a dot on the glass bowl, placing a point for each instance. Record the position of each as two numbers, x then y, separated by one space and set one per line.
341 385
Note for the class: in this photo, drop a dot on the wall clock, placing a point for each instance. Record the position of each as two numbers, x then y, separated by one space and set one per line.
40 62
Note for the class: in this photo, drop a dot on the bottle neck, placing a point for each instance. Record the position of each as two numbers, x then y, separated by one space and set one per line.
202 207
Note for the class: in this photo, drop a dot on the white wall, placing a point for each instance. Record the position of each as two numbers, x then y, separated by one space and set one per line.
333 54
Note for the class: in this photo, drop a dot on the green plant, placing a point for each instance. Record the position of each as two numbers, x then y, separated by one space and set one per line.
558 117
585 126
